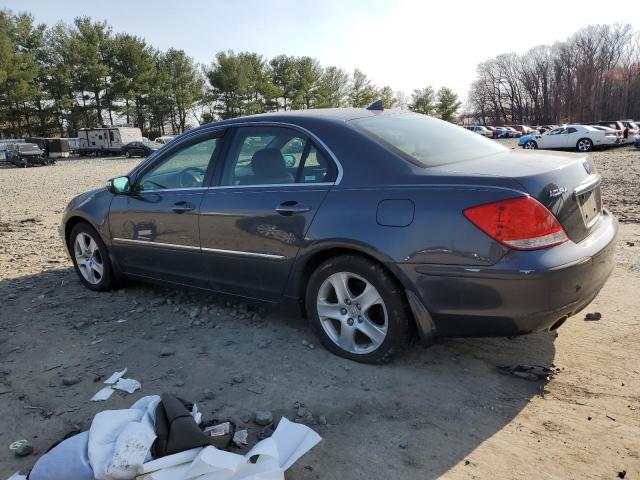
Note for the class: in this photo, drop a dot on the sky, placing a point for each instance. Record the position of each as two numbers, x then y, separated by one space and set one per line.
406 44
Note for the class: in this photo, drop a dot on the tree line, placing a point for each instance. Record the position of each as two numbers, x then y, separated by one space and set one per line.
55 80
593 75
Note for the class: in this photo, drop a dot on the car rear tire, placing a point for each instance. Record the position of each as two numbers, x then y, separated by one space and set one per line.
530 145
91 258
357 310
584 145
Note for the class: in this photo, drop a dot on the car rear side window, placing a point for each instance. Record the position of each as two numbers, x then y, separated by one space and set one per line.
426 141
274 156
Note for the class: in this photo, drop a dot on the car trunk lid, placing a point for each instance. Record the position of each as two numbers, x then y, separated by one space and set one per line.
566 184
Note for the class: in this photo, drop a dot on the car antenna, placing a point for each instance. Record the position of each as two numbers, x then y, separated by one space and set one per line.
377 105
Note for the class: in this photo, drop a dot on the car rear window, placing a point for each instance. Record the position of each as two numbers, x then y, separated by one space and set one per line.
426 141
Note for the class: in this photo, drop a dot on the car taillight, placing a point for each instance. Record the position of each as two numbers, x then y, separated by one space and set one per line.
520 223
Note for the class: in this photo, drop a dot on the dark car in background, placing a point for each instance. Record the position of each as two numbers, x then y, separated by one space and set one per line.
26 155
139 149
377 223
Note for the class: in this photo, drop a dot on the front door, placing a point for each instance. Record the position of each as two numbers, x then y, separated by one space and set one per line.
254 222
556 138
154 230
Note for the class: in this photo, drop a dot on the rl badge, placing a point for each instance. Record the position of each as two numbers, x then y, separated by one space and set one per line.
557 192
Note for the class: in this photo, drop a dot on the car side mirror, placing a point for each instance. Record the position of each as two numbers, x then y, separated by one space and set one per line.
119 185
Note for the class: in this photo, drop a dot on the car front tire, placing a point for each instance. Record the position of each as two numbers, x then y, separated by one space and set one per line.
91 258
530 145
127 154
357 310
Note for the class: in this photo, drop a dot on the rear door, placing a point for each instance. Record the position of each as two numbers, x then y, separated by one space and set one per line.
253 223
154 230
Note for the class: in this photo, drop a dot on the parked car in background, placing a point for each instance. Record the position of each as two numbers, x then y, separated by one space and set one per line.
329 209
140 148
500 132
632 130
614 124
504 132
515 133
492 130
480 130
27 155
53 147
522 129
607 129
579 137
164 139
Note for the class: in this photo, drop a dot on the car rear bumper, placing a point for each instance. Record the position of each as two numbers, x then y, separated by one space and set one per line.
522 293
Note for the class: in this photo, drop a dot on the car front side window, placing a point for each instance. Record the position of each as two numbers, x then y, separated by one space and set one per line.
185 168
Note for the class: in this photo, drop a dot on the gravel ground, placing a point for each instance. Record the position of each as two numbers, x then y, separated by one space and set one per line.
438 412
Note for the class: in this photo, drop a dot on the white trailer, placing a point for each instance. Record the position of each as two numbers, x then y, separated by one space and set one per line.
106 140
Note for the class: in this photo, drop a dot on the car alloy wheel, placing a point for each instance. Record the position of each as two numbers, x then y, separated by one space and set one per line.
88 258
530 145
352 313
584 145
127 154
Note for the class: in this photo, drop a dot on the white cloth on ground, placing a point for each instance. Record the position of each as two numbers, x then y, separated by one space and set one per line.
120 440
289 442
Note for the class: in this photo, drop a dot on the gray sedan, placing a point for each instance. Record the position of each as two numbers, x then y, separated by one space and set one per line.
376 223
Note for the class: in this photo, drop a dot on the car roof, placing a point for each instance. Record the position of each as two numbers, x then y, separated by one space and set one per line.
319 115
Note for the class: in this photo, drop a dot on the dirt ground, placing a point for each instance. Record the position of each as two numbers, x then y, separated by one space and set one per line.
439 412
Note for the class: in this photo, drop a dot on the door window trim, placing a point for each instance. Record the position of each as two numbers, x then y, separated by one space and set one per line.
221 130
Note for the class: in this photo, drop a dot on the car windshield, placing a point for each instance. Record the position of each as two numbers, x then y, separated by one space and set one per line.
426 141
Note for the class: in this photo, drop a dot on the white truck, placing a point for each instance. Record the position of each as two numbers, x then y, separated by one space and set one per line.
106 140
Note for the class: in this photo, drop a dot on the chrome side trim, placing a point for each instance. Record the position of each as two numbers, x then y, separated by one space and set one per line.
131 241
244 254
269 185
165 190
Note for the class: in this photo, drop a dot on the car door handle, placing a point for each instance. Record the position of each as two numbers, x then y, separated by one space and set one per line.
291 207
181 207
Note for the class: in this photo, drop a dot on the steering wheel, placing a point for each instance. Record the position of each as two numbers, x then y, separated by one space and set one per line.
187 179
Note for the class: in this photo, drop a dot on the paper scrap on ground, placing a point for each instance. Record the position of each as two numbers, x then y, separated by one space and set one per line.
128 385
116 382
102 395
195 413
115 376
289 442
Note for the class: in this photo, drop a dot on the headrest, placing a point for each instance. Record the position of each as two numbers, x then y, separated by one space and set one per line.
268 163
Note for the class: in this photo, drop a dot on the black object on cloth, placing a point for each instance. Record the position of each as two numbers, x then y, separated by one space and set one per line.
177 431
